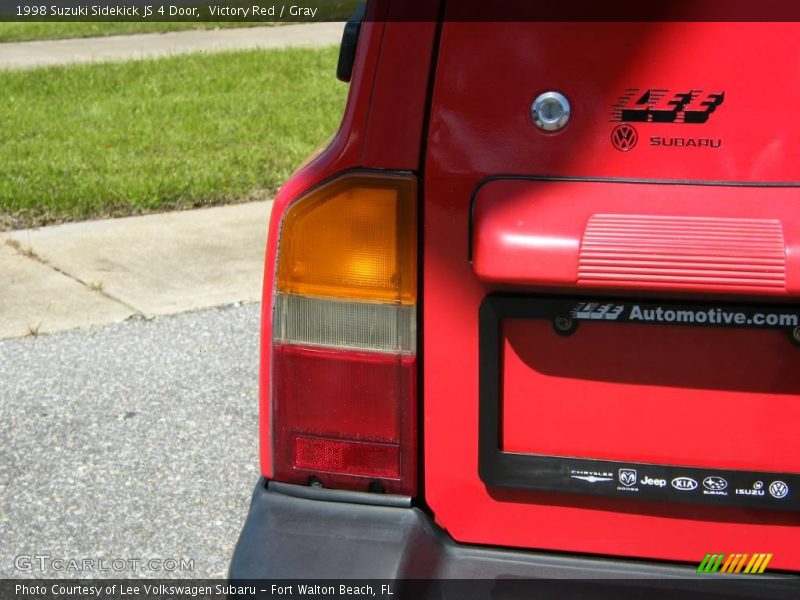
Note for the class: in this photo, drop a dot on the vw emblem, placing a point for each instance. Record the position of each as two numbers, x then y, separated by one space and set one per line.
624 137
778 489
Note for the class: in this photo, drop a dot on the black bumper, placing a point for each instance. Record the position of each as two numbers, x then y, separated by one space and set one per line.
300 533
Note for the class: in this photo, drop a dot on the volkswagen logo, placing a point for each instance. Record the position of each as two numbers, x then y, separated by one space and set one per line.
778 489
624 137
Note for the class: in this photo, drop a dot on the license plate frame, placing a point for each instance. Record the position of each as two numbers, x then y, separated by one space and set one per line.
579 475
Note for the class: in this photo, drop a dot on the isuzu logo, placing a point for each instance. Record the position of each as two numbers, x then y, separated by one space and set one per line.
756 490
624 137
684 484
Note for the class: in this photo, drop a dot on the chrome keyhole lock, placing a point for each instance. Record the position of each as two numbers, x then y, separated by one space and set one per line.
550 111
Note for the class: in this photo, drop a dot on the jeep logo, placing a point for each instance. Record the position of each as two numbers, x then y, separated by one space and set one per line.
684 484
656 482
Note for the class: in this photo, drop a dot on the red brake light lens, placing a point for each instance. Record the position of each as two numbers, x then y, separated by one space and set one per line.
343 380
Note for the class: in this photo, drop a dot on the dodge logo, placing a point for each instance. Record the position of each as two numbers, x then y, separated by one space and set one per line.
627 477
624 137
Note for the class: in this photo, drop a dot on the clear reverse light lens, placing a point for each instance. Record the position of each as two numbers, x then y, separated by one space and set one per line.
342 324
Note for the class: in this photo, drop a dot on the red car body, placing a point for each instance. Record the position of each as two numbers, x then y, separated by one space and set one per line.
672 189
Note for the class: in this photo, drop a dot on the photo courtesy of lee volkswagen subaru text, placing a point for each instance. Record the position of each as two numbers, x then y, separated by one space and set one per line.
534 312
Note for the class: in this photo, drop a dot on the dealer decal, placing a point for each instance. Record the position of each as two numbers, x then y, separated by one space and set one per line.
656 105
666 106
669 314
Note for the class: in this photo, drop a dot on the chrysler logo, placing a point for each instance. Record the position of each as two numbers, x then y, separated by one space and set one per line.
624 137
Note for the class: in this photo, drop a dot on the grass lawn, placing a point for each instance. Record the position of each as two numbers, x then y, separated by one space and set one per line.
124 138
31 30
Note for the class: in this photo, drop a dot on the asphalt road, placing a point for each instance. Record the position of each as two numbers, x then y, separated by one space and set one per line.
132 442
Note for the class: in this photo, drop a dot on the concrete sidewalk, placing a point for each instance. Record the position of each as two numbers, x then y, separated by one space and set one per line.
22 55
99 272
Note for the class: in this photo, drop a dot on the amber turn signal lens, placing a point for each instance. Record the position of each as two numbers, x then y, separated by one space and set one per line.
353 238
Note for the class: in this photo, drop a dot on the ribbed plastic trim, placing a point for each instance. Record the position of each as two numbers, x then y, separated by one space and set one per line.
747 254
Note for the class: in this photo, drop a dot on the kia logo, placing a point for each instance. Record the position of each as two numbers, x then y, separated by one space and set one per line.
684 484
624 137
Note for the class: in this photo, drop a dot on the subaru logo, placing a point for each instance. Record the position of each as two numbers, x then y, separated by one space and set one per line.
684 484
714 483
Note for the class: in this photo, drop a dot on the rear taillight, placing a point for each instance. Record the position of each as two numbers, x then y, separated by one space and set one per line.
343 386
